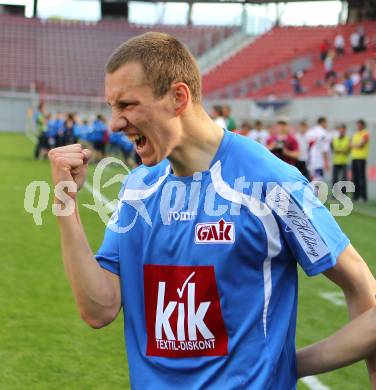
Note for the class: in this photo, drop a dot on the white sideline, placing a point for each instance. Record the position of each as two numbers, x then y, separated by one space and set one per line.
335 298
314 384
310 381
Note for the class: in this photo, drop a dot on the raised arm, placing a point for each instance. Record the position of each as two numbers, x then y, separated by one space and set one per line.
97 291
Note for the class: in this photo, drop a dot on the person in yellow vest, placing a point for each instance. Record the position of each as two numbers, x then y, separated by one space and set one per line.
341 151
359 155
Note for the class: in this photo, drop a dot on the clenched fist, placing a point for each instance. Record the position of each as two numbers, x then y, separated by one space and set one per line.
69 163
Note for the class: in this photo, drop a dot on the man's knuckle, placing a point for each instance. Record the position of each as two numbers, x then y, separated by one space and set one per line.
60 161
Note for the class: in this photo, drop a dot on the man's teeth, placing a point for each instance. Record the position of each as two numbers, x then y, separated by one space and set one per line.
135 137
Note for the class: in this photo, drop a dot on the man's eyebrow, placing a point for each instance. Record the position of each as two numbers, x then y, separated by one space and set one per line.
126 102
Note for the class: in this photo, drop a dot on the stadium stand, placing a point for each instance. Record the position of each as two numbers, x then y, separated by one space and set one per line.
265 66
67 58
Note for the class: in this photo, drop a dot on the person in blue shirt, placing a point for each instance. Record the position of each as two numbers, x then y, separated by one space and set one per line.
50 132
98 137
59 129
84 130
202 251
120 142
69 124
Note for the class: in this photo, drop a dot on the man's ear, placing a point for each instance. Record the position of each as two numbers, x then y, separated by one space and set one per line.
181 96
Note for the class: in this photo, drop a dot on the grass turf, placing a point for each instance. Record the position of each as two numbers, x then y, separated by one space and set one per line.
43 342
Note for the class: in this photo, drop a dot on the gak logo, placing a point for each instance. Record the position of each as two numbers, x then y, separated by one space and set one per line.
221 232
183 314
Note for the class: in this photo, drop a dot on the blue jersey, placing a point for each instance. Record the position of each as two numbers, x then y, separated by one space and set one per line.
50 132
98 132
208 269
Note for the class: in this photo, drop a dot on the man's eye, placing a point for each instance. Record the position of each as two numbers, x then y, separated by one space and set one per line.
123 106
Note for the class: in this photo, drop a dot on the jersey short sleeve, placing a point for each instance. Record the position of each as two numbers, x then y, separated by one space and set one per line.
310 231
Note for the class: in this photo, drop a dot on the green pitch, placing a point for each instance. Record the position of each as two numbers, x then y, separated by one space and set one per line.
43 342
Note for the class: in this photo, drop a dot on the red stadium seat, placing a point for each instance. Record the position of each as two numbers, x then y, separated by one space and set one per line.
68 57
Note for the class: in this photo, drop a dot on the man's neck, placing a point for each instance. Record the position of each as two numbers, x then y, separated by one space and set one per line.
199 143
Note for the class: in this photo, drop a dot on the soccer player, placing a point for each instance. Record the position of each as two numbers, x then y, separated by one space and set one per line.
41 147
202 250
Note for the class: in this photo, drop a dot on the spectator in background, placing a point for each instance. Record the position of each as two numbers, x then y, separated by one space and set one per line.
324 49
59 129
296 83
355 77
217 116
338 89
84 131
283 144
354 41
367 80
230 121
77 126
68 130
301 137
98 137
119 142
348 83
41 148
318 144
330 74
50 132
339 44
341 149
259 134
362 39
359 154
245 128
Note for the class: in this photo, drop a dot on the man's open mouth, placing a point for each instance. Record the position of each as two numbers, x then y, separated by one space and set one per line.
138 139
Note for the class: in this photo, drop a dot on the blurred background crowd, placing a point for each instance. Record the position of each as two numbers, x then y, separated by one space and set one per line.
317 151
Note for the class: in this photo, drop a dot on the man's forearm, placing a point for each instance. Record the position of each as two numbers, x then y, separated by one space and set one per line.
353 276
355 341
358 301
95 293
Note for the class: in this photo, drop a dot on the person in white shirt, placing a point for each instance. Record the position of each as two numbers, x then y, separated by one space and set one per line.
339 88
339 44
217 116
259 134
319 147
354 41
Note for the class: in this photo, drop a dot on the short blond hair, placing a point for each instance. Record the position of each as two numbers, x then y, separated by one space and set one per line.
164 59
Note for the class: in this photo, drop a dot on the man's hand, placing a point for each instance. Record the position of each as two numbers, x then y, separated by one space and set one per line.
69 163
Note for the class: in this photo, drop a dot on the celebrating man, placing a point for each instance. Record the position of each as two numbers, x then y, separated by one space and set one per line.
202 250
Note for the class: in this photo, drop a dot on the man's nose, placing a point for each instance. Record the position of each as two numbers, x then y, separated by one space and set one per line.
117 123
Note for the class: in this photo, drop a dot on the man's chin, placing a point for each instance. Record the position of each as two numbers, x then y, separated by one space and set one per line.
150 162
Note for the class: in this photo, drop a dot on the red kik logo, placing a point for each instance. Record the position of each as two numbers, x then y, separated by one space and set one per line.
183 313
